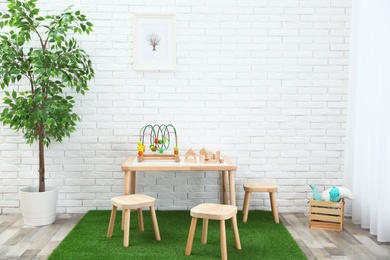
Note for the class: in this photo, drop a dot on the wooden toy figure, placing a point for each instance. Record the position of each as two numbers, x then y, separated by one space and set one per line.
334 194
190 156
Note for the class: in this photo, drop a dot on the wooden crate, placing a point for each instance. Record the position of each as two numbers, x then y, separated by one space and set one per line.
326 215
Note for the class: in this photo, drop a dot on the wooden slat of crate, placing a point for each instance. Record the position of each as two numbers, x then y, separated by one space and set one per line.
328 204
326 218
327 215
326 225
327 211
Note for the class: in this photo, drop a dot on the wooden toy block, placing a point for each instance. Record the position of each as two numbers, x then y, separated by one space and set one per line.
209 157
190 156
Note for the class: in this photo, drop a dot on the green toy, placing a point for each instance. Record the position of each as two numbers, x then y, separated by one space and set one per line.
334 194
316 194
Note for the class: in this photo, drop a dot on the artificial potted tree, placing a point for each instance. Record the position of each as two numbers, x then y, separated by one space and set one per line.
39 62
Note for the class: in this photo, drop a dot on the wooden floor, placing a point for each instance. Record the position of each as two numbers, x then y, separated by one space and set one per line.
21 242
352 243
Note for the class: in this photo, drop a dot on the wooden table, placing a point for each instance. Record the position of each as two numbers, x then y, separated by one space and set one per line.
227 169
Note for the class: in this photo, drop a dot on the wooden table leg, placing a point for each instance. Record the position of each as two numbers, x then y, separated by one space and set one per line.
224 187
126 184
132 182
128 188
126 191
274 206
232 188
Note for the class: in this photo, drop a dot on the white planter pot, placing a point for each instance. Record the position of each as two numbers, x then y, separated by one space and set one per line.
39 208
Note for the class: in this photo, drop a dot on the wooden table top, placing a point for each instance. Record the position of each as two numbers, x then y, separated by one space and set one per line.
131 164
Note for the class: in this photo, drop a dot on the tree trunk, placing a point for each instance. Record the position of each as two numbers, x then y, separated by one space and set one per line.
41 159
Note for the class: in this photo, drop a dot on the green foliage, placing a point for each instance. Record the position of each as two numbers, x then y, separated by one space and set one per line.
45 70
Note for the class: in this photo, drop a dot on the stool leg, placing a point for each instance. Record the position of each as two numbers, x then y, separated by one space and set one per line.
126 228
112 221
204 230
123 220
224 187
191 236
274 206
155 224
245 209
140 220
235 232
223 239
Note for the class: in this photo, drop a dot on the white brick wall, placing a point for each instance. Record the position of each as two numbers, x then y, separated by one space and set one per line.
262 81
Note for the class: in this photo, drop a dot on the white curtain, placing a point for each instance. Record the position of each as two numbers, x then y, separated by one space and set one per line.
367 154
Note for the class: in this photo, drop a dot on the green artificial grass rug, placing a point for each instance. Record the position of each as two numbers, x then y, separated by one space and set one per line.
260 237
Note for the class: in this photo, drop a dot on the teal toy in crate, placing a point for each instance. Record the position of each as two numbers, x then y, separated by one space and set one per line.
334 194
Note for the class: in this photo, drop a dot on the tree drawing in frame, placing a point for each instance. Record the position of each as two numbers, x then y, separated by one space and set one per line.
154 42
154 34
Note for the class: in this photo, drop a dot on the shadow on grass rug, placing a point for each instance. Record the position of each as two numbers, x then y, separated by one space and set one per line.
260 237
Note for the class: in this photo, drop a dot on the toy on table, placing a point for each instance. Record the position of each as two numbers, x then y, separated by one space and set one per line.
334 194
204 157
209 157
190 156
160 137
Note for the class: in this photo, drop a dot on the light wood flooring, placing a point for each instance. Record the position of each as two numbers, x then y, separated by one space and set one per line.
21 242
353 243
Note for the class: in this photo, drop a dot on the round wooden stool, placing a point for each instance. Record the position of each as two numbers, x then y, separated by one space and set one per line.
127 203
219 212
269 187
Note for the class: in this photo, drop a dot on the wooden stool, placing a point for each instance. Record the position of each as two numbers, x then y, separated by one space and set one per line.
219 212
127 203
260 187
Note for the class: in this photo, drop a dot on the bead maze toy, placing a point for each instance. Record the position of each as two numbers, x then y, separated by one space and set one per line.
160 138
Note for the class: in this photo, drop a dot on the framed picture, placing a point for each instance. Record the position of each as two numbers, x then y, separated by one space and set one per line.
154 42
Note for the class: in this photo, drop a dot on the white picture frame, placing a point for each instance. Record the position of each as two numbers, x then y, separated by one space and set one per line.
154 42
